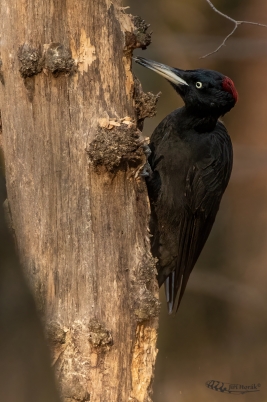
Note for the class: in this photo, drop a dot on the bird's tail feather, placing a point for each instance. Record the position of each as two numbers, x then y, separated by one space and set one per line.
169 291
178 278
174 297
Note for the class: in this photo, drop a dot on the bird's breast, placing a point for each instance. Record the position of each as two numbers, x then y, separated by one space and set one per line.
192 162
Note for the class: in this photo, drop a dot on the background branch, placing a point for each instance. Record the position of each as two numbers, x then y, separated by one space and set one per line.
236 24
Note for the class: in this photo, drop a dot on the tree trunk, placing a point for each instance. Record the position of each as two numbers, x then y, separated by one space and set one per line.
80 213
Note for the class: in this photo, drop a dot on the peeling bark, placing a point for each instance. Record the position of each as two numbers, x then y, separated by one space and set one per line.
79 210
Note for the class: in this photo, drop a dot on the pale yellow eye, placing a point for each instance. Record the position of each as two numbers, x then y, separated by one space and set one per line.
198 85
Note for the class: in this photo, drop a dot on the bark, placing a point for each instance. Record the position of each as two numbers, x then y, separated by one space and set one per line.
80 213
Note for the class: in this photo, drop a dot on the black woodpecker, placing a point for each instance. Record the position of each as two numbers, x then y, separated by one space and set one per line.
191 161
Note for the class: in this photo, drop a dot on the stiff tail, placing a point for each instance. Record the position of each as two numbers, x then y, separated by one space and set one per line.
171 291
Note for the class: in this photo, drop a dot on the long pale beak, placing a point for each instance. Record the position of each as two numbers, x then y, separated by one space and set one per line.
171 74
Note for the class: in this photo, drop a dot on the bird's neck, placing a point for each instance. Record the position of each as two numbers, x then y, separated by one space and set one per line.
198 121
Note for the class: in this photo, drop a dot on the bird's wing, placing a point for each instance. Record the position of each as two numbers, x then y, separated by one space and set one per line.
205 185
204 193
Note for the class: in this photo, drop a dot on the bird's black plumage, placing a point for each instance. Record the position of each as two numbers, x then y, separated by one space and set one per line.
191 162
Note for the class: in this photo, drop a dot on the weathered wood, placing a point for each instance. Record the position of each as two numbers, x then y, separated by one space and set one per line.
79 211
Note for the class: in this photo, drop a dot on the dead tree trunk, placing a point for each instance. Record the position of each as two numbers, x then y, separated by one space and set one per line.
79 212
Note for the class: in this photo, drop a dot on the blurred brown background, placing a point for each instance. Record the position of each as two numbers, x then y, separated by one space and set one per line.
220 332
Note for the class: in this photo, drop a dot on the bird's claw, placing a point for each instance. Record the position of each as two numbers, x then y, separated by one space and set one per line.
146 170
147 150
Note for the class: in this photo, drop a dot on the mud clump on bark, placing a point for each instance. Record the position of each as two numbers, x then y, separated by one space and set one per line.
146 306
147 270
139 38
58 59
115 149
145 103
99 337
31 61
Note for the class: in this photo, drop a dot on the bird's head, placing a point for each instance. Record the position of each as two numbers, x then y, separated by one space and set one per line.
205 92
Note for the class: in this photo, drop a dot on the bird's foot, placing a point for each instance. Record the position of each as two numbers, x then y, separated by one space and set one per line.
146 171
147 150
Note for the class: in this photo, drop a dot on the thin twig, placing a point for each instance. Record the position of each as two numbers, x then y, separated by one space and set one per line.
236 23
219 12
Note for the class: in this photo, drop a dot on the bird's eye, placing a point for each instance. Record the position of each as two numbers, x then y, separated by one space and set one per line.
198 85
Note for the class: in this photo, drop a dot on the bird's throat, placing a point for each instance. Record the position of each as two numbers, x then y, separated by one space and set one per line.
200 122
